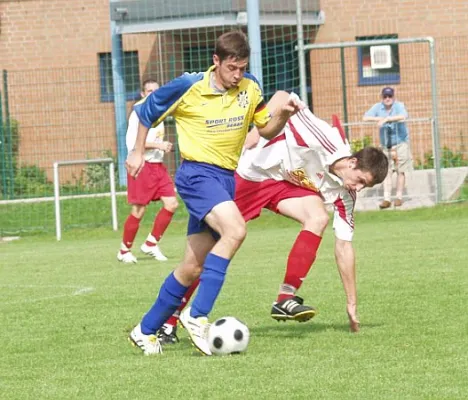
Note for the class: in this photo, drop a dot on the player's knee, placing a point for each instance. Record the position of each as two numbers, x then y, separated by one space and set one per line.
317 222
171 205
138 211
189 272
236 232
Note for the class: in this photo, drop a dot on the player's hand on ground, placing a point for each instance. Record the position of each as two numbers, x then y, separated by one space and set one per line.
166 147
354 324
134 164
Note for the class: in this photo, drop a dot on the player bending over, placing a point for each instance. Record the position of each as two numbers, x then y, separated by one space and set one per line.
153 184
307 166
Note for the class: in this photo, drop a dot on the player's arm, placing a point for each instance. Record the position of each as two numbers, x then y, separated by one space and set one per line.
346 262
275 103
343 226
282 108
152 110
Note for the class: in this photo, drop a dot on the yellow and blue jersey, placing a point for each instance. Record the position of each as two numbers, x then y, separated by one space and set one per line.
211 126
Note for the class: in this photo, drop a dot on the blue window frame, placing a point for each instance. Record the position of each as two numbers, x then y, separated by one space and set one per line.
369 76
131 69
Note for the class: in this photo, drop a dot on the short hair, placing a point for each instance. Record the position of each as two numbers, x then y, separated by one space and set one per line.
146 82
373 160
233 44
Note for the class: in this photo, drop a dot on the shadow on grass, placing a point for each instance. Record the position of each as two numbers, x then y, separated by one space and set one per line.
302 329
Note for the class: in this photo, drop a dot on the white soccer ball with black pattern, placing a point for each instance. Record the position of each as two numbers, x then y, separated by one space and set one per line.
228 335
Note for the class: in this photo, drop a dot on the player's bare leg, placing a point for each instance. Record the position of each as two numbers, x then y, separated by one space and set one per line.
131 226
310 212
161 222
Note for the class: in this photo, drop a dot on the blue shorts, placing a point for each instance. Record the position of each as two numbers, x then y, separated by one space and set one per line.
203 186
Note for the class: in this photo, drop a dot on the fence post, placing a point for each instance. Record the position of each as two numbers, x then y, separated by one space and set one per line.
2 151
435 116
345 92
301 53
255 40
8 138
120 99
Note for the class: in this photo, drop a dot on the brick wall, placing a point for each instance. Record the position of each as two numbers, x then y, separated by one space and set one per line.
50 50
446 21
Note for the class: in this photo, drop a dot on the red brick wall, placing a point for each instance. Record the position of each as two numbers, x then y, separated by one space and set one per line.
50 50
446 21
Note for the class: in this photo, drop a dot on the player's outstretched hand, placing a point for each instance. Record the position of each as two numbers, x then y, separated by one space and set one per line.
166 147
134 164
354 324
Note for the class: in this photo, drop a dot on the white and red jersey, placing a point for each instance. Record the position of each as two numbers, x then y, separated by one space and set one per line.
155 135
302 154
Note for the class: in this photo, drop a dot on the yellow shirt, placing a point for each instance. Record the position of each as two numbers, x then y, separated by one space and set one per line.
211 126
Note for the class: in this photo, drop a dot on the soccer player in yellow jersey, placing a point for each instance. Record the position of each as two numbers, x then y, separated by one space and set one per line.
213 111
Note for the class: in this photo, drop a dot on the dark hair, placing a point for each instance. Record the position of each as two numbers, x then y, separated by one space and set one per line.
232 44
146 81
373 160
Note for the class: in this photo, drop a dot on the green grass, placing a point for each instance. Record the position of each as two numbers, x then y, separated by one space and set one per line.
59 343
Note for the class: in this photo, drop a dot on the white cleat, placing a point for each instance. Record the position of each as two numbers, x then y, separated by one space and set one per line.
149 344
127 257
153 251
197 329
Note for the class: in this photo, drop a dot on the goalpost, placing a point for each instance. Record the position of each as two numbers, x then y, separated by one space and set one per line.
57 164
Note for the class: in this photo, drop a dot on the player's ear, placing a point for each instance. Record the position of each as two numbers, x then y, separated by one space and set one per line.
216 60
352 162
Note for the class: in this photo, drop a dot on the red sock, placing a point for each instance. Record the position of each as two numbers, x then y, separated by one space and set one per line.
161 222
300 260
175 317
130 230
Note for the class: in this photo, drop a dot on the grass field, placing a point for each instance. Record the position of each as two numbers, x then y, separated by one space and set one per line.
66 309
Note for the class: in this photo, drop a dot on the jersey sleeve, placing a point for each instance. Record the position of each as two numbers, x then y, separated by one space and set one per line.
343 219
154 108
262 115
132 131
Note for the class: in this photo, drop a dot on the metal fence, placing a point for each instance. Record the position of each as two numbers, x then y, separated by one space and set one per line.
67 113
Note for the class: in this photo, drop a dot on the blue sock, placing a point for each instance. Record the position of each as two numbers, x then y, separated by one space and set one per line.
211 282
169 299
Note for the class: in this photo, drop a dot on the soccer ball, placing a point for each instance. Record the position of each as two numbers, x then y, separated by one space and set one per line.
228 335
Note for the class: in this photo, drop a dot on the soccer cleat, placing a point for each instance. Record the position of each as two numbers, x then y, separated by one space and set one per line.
127 257
398 202
149 344
168 334
153 251
292 309
197 329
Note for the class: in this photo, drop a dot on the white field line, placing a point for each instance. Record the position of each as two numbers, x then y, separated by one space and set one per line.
78 291
70 197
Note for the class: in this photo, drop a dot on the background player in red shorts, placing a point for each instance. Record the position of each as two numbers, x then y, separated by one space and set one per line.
152 184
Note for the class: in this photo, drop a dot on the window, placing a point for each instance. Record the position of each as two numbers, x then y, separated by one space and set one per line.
378 65
131 69
279 66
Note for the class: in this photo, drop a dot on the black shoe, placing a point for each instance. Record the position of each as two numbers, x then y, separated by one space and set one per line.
292 309
168 334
